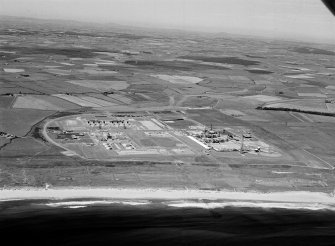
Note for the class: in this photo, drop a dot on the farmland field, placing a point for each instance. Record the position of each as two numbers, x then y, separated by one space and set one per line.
179 79
43 103
228 60
97 101
199 101
6 101
101 84
20 121
77 100
27 147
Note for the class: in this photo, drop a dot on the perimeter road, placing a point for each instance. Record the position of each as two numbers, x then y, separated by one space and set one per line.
331 167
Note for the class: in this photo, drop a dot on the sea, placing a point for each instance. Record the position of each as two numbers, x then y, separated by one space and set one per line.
160 222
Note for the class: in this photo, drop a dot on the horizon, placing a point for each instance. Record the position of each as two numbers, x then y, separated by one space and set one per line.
298 20
166 30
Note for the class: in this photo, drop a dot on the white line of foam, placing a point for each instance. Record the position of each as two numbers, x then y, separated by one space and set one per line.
264 205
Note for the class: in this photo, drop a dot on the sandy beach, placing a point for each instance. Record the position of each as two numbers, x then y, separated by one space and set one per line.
298 197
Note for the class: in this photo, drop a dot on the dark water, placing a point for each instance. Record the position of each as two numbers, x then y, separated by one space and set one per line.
32 223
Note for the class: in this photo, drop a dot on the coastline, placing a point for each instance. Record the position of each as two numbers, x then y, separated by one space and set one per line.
199 198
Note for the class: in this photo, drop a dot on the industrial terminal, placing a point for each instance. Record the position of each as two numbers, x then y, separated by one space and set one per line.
109 136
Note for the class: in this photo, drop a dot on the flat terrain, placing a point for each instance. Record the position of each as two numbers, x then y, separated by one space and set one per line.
270 106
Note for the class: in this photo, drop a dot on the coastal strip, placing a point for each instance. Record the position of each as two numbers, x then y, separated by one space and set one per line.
166 194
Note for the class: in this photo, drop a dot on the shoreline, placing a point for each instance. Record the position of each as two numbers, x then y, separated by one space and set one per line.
298 197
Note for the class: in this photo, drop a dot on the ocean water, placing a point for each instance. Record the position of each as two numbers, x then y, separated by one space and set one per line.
142 222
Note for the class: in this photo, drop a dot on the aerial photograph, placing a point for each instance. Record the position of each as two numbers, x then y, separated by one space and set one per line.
167 122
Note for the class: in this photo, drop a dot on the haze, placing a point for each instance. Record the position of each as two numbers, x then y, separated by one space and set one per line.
306 20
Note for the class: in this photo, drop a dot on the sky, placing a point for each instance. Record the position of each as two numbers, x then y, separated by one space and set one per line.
306 20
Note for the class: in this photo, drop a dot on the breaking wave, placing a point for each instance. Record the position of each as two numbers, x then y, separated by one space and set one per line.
165 222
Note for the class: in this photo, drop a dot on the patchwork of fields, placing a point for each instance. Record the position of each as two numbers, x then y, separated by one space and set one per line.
276 98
